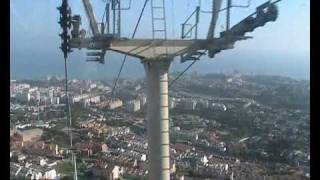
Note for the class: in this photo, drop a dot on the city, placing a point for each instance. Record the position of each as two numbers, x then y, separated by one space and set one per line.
160 90
222 126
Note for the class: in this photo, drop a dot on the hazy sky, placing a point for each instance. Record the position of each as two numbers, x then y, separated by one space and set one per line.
280 47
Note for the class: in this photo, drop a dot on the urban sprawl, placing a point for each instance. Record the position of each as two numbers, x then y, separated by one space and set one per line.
222 126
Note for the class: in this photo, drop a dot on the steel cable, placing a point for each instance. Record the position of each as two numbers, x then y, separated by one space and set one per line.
125 57
173 81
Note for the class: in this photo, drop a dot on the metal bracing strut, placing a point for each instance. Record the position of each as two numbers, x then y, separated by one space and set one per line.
216 5
229 2
91 17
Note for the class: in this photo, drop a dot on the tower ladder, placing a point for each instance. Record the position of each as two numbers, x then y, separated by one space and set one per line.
158 16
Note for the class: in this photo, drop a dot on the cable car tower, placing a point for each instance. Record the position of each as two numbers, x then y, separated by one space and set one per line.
156 54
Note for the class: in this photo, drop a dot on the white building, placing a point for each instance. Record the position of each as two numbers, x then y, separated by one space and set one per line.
217 106
116 173
43 162
190 104
52 174
38 95
23 96
55 100
143 100
113 104
119 130
106 89
133 106
91 100
137 88
34 89
143 157
104 148
172 102
86 99
21 157
173 168
100 87
23 86
93 85
204 160
50 92
204 104
44 99
78 98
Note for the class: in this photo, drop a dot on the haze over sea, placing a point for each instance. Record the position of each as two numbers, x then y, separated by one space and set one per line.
278 48
293 67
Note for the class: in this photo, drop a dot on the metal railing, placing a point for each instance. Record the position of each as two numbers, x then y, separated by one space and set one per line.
188 33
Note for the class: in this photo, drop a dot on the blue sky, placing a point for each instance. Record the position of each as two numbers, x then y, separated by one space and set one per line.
280 47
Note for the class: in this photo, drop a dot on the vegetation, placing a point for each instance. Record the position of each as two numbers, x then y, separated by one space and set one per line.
66 169
55 135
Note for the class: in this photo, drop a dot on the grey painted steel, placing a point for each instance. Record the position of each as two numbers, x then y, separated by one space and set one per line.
228 14
216 5
91 17
158 119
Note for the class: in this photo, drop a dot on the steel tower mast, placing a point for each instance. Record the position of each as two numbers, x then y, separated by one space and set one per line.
156 54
